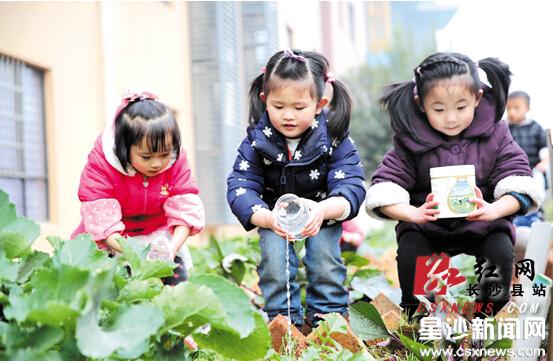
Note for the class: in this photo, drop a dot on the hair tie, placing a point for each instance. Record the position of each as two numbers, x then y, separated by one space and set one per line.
415 90
263 70
329 78
418 70
288 53
130 96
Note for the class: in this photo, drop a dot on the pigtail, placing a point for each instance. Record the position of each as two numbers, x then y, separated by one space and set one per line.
499 76
340 105
257 105
398 100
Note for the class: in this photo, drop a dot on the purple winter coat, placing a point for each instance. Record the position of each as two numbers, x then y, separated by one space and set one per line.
486 143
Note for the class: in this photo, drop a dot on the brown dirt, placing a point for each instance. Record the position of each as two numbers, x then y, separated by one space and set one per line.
278 328
390 312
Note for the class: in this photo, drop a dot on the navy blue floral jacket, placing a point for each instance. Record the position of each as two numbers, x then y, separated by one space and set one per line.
320 168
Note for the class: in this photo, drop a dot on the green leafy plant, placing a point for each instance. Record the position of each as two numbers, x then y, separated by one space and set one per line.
81 304
235 259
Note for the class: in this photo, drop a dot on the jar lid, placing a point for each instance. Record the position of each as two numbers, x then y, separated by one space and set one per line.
452 171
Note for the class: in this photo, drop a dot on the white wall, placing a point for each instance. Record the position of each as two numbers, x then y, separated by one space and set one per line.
308 23
304 19
516 32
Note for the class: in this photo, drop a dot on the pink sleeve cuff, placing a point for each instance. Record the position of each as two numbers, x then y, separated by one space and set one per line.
102 218
185 210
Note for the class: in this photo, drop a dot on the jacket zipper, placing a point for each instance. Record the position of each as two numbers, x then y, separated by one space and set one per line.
145 183
283 180
285 183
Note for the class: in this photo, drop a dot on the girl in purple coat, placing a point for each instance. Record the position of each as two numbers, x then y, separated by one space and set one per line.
446 116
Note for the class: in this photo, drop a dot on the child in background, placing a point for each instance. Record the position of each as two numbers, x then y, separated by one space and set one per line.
531 137
528 134
447 116
137 182
294 146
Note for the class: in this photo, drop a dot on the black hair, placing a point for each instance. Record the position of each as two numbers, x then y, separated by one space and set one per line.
399 99
315 70
145 119
520 94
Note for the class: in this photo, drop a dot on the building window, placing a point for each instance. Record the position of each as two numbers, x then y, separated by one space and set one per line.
23 169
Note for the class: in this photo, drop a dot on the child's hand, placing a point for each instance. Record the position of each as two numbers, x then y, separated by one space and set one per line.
316 218
264 218
426 212
275 226
180 235
113 244
485 211
271 223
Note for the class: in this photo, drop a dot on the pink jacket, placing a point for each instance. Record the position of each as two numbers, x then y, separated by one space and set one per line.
117 201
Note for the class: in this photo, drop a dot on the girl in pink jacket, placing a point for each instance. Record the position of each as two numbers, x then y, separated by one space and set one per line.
137 182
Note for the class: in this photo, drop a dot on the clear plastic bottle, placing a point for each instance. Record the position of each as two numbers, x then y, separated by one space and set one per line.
292 214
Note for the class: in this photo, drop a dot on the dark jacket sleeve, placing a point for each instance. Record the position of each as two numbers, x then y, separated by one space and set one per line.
398 166
245 184
511 159
345 177
511 172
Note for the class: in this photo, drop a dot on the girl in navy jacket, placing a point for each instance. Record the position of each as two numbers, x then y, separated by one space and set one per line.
293 146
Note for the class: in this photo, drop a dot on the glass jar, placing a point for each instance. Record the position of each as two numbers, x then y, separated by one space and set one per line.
292 214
